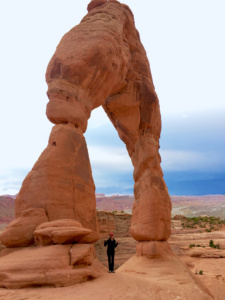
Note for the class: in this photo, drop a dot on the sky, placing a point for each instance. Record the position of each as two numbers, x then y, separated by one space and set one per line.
185 44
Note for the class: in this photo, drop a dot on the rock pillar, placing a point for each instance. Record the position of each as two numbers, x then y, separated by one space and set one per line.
61 180
151 215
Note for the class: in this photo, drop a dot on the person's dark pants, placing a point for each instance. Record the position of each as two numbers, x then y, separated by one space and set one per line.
111 261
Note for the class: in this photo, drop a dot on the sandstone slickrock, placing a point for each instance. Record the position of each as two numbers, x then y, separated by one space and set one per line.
82 254
207 253
168 272
100 62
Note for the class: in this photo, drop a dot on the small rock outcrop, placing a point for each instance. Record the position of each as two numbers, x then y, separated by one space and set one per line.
100 62
20 232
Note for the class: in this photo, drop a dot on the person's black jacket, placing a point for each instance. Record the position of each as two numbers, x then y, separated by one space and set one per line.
112 244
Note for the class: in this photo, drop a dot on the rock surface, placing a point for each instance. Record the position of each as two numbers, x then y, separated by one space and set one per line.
201 257
213 267
140 278
82 254
19 233
50 265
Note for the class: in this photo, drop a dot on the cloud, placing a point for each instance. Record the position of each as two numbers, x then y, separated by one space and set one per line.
11 180
98 118
110 158
180 160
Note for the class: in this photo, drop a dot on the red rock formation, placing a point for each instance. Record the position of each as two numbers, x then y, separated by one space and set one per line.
110 68
61 181
100 62
51 265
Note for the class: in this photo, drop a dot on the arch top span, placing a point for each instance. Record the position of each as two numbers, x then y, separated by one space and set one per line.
102 62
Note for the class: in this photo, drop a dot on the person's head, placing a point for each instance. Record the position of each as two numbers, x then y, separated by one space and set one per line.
111 235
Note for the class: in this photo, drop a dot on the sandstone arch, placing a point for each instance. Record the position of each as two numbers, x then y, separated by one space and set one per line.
113 71
99 62
110 68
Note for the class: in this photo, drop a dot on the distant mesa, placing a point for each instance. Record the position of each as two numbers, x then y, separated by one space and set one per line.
98 195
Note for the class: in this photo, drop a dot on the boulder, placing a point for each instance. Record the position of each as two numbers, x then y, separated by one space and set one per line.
19 233
59 232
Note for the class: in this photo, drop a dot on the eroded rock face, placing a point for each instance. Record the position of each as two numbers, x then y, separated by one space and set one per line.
153 249
99 62
117 223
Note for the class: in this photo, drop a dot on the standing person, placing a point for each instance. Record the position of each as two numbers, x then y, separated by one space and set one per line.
112 244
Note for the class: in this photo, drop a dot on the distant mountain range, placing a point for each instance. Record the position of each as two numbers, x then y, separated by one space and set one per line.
189 206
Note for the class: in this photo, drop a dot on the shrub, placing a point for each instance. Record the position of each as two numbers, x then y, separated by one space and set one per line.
211 244
200 272
196 220
217 246
192 245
